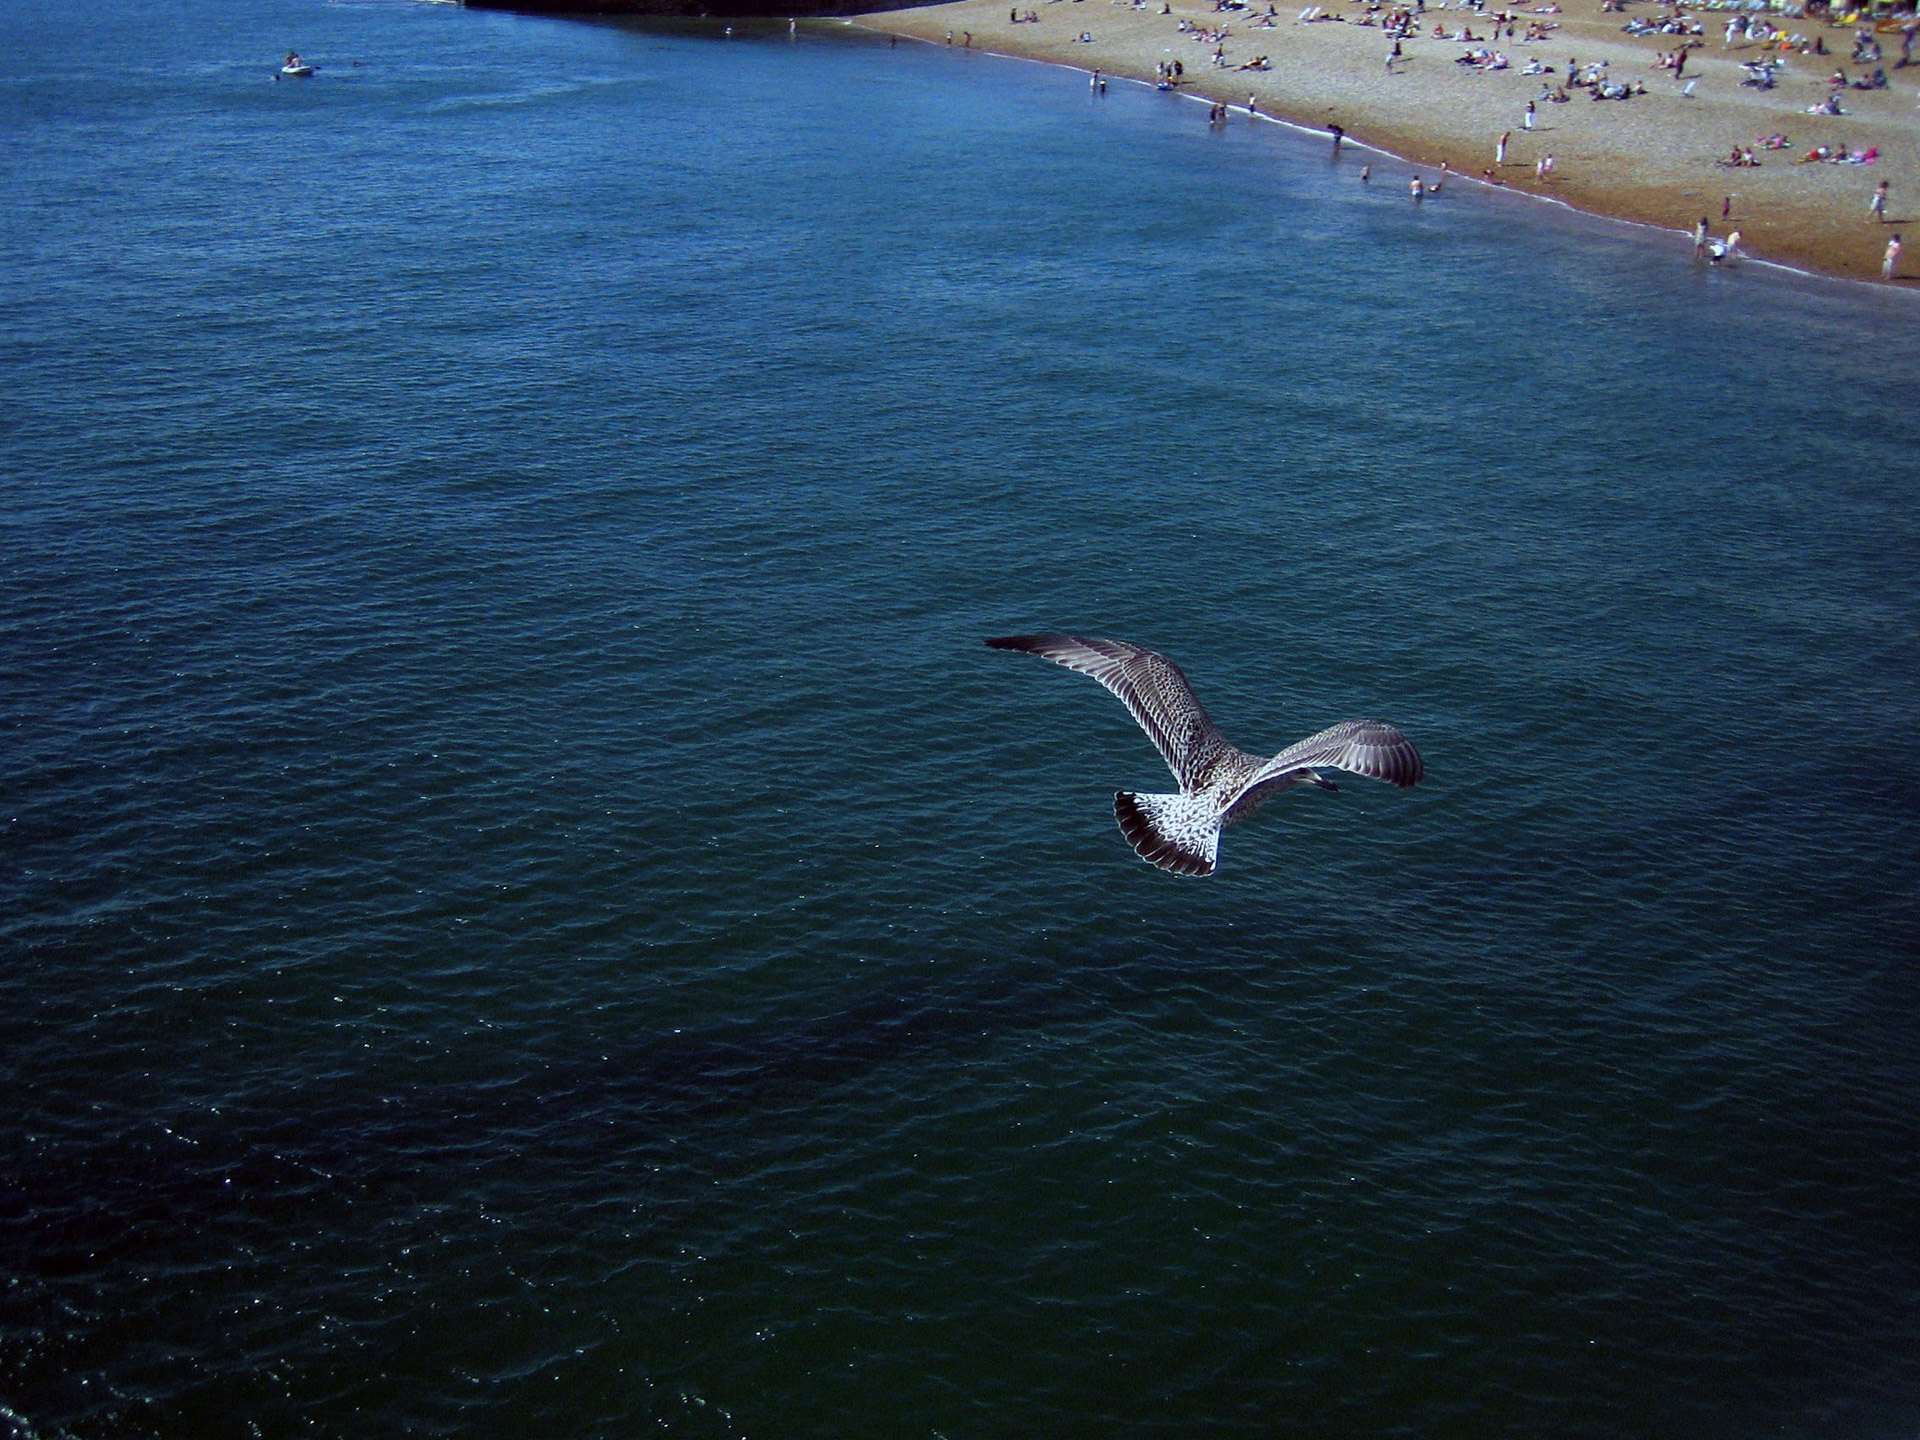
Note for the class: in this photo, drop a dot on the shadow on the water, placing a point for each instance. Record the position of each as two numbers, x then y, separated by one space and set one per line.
181 1184
190 1207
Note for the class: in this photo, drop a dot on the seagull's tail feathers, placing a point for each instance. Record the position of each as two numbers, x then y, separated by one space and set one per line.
1180 833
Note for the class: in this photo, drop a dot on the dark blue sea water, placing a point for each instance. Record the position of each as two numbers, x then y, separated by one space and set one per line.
526 909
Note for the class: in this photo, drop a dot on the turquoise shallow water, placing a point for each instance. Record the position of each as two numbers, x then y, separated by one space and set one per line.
528 910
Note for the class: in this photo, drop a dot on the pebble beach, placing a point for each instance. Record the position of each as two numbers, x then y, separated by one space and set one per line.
1658 158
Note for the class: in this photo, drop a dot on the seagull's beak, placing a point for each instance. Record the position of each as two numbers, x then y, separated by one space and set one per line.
1325 784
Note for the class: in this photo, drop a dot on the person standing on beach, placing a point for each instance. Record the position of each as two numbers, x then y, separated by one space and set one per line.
1500 148
1679 62
1893 258
1700 232
1526 121
1877 207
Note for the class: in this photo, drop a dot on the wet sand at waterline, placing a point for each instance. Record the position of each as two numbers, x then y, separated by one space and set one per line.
1653 158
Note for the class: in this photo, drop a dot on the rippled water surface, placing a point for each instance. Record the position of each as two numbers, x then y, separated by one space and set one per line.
527 910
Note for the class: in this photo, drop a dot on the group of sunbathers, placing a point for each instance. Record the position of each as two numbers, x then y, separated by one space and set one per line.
1205 36
1672 25
1876 81
1397 23
1841 155
1594 79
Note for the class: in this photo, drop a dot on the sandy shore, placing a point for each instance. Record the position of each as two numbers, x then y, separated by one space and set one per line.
1652 158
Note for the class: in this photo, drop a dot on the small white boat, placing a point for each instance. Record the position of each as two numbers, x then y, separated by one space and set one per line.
296 72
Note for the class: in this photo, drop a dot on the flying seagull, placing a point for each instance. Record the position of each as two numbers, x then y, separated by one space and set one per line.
1220 784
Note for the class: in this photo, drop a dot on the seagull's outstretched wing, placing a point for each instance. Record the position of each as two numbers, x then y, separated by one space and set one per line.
1360 747
1151 687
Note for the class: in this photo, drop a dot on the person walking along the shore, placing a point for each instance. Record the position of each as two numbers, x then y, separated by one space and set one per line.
1892 260
1877 207
1500 148
1700 238
1526 120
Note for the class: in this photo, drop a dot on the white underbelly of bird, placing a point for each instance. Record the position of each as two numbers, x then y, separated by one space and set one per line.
1220 784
